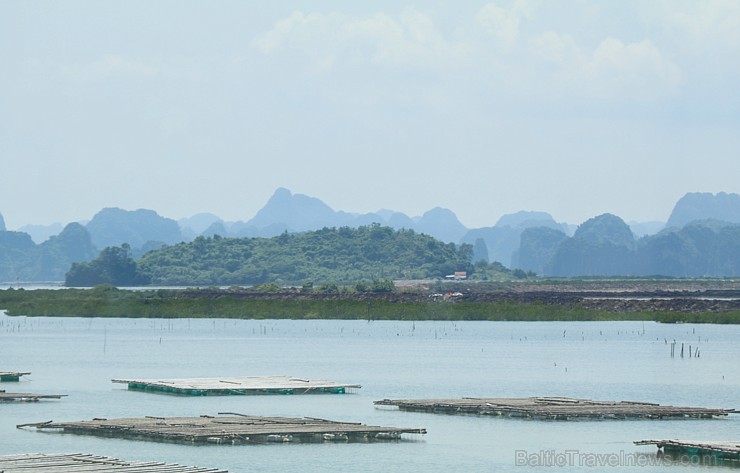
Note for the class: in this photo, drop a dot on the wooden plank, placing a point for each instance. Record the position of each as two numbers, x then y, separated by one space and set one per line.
722 449
76 463
27 397
232 429
240 385
12 375
549 408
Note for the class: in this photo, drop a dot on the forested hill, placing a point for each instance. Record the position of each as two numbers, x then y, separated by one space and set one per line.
329 255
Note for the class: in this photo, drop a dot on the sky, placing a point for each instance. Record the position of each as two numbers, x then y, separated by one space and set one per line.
572 107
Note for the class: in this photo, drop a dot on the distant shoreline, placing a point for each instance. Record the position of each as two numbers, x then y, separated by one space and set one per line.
670 302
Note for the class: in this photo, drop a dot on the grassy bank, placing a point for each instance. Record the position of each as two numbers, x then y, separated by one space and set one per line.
109 302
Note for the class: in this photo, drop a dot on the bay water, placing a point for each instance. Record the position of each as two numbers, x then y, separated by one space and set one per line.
78 357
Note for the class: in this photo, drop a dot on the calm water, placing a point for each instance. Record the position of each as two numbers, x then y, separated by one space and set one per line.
605 360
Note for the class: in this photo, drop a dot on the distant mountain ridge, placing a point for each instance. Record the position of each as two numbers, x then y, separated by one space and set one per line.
704 205
293 213
197 224
698 239
113 226
605 246
503 239
41 233
23 260
297 211
600 246
441 224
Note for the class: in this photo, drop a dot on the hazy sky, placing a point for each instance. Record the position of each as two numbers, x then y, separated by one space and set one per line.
571 107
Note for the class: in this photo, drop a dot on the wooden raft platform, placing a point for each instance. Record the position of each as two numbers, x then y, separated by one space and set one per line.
554 408
238 385
77 462
723 450
229 428
27 397
11 375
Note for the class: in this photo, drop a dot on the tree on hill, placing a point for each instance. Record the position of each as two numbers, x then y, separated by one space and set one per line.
114 266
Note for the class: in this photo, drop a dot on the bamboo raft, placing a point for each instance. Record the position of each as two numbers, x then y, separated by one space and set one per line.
243 385
77 462
721 450
555 408
27 397
11 375
229 428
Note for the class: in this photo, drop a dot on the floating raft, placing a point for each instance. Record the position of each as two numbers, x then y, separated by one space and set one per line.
229 428
554 408
11 375
77 462
27 397
725 451
238 386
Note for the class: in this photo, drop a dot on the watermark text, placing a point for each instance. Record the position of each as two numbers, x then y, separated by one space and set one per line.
573 458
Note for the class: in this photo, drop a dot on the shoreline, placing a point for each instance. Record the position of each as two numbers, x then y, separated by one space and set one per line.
672 302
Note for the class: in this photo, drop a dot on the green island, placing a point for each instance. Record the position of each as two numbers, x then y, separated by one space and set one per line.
668 301
328 256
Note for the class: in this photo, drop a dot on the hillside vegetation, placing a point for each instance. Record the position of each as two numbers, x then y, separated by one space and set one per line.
330 255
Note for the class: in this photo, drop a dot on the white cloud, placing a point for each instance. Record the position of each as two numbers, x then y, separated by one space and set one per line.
504 24
548 63
635 70
613 70
408 38
413 36
708 20
555 48
705 34
294 31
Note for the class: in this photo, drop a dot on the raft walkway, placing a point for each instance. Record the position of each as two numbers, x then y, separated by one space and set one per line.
721 450
554 408
11 375
27 397
77 462
243 385
229 428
